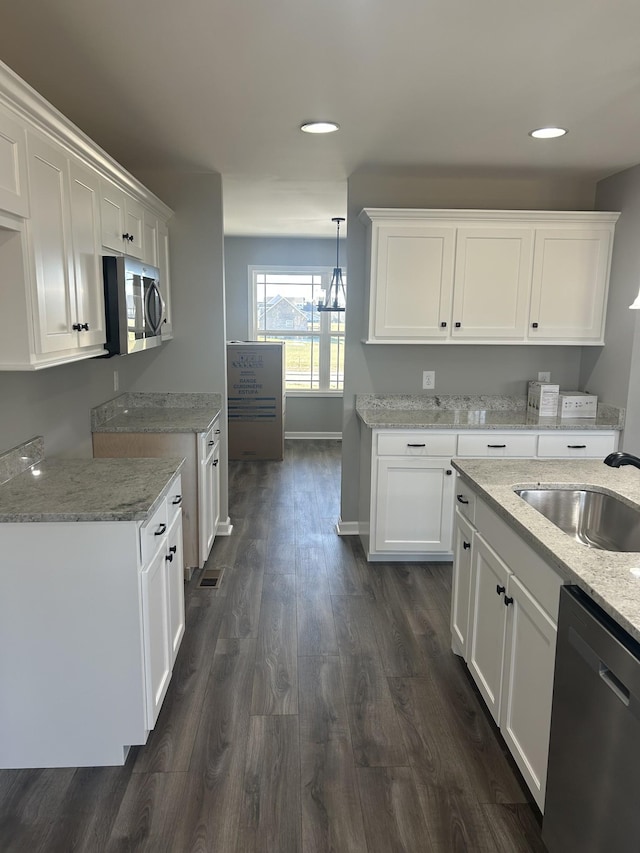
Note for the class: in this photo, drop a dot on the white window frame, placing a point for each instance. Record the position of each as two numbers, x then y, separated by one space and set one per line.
324 334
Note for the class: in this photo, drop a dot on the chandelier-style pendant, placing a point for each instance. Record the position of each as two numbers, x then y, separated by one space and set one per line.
336 297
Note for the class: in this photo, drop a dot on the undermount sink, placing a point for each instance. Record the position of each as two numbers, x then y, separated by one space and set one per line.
592 518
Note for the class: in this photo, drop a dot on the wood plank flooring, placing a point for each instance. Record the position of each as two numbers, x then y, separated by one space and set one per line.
315 707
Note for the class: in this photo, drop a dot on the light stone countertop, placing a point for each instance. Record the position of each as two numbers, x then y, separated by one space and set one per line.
605 575
404 411
87 490
153 412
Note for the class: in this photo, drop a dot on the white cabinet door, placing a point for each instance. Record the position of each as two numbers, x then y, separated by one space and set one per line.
527 686
413 504
87 261
411 281
491 283
14 196
149 237
175 585
488 615
122 221
157 646
461 586
165 278
570 279
49 231
208 492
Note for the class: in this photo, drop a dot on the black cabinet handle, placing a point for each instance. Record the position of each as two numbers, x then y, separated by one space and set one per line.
507 600
500 589
77 327
576 446
416 445
216 432
84 326
215 462
160 530
462 499
448 472
496 445
177 500
458 325
126 236
211 443
443 325
534 325
169 558
173 549
466 545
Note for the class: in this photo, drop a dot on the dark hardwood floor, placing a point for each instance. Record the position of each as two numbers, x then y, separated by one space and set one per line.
315 706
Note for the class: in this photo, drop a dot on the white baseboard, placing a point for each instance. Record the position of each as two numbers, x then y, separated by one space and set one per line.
347 528
224 528
333 436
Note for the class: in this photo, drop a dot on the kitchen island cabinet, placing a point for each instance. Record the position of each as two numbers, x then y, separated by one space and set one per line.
91 608
183 425
520 560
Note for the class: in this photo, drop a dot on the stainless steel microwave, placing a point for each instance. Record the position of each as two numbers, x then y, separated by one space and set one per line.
134 306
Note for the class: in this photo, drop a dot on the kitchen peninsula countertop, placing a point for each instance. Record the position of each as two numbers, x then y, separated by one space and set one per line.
405 411
153 412
87 490
611 578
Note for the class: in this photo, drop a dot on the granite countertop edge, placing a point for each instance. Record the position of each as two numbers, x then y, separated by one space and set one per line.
157 412
98 479
604 575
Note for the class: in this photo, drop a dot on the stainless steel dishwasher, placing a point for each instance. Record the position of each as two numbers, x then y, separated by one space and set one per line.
593 778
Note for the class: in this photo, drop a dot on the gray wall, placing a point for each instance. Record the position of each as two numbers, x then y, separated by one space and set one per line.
304 414
613 372
459 369
55 402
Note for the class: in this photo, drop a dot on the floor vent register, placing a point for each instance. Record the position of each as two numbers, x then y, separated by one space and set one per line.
211 578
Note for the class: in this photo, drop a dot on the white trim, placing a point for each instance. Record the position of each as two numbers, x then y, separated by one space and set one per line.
224 528
315 435
347 528
315 394
373 214
402 557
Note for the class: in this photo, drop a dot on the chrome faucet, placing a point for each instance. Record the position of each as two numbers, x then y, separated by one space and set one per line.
615 460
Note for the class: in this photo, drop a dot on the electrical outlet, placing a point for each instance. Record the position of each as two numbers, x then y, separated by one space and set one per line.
116 380
544 376
428 379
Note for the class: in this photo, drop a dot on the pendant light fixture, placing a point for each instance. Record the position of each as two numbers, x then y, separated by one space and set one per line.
336 296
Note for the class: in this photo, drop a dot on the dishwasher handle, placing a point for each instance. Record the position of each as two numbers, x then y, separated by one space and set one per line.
614 684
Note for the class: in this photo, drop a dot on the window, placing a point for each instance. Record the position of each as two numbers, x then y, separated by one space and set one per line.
283 306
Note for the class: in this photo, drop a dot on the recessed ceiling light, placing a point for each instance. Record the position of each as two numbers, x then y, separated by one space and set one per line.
319 127
548 132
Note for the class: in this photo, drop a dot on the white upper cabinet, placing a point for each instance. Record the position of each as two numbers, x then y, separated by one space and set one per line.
63 203
414 275
491 284
474 276
122 221
13 166
570 277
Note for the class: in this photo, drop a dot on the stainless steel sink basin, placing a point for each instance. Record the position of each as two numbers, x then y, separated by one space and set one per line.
590 517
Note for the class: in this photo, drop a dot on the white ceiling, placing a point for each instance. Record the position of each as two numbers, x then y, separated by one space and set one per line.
224 84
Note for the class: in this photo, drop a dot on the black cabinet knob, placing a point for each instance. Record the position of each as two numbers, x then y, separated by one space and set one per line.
215 462
84 326
173 549
443 325
169 558
507 600
466 545
211 443
448 472
458 325
534 325
500 589
77 327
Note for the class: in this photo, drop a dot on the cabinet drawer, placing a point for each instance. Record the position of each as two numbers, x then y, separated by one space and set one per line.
174 499
496 444
578 444
465 501
209 440
416 444
153 533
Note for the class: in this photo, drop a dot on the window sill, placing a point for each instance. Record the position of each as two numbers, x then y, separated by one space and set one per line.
314 393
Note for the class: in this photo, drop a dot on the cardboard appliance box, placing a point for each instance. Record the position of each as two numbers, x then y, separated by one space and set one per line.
578 404
542 398
256 400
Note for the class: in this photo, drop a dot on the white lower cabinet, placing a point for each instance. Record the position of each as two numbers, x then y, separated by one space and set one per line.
463 532
510 649
208 489
91 618
413 506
